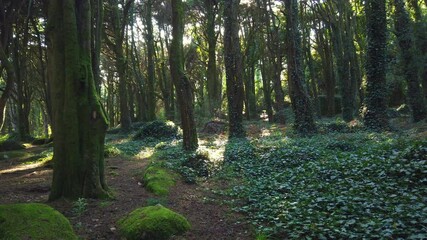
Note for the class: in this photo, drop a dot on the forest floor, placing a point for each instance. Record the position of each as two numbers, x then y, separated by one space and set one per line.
22 181
344 182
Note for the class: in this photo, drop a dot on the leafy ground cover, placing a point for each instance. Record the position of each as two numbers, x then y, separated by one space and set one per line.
335 185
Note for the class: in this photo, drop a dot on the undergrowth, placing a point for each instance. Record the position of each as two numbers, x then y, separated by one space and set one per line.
346 186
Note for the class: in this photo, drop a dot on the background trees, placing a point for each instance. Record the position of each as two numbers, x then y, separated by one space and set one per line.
253 47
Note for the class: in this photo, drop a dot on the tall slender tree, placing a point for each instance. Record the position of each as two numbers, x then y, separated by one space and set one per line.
301 105
405 38
151 97
182 84
115 39
375 115
214 85
233 69
79 121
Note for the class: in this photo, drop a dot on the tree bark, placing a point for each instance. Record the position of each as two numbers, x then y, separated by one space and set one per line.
405 39
233 69
151 97
301 105
79 121
375 115
213 82
182 84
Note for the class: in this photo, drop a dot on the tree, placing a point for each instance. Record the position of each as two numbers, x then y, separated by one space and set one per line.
405 38
151 97
375 115
213 82
79 121
180 80
233 69
115 38
301 105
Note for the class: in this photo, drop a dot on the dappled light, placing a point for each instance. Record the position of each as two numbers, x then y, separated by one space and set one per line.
213 119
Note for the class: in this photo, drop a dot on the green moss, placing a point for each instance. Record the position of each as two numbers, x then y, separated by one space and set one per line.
158 180
154 223
33 221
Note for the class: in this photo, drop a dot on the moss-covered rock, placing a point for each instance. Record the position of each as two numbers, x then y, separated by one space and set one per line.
33 221
158 180
158 130
152 223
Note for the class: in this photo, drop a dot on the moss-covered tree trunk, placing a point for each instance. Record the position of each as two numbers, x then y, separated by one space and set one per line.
301 105
183 86
151 97
233 69
375 115
405 38
79 121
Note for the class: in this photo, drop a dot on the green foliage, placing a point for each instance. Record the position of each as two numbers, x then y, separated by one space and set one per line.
152 223
158 130
33 221
199 162
79 206
158 180
111 151
368 184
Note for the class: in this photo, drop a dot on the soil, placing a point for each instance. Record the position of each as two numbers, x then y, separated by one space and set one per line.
209 219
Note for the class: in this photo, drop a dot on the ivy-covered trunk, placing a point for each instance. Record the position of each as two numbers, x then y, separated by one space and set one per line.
79 121
375 115
233 69
301 105
405 38
183 86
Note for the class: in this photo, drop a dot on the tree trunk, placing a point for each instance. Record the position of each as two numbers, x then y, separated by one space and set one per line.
405 38
251 59
325 53
301 105
97 19
182 84
213 82
79 121
11 78
375 114
266 87
233 69
151 97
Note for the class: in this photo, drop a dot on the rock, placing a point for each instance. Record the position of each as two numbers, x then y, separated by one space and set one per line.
33 221
214 127
152 223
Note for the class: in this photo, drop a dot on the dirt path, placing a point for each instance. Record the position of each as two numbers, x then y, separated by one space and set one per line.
209 220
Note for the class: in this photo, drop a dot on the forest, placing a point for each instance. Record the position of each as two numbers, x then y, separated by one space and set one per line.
213 119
